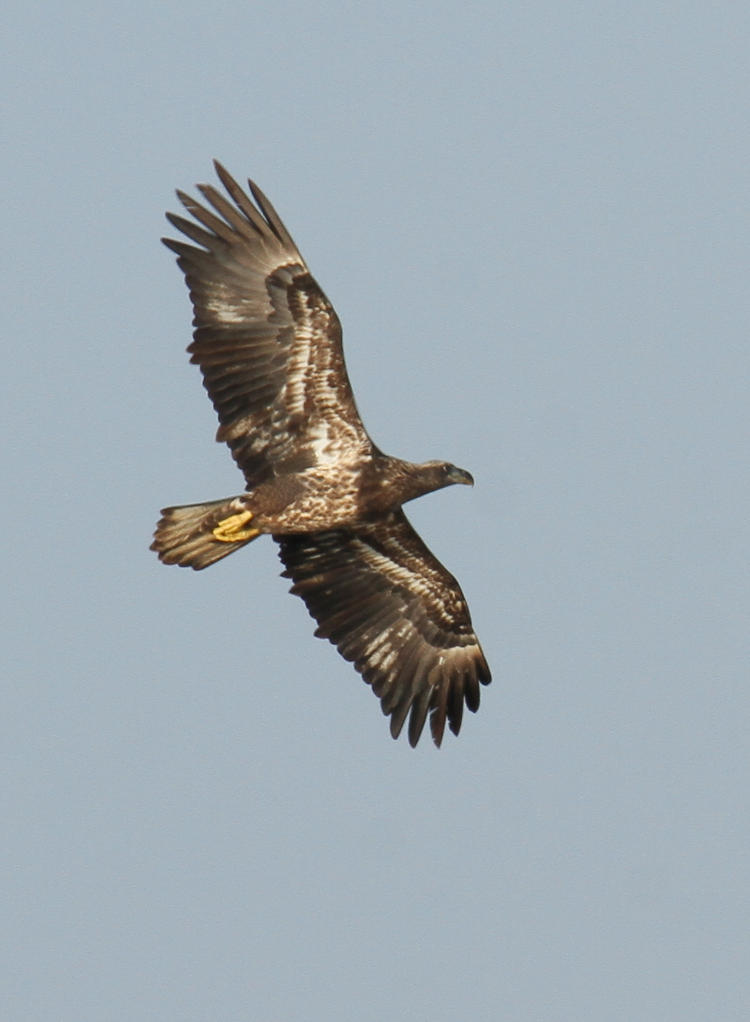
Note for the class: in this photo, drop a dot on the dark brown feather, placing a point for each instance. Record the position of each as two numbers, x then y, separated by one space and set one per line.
266 338
421 654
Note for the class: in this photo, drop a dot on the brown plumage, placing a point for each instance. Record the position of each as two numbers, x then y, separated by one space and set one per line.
268 343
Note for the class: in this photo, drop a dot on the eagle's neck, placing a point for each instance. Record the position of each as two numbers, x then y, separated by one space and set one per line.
392 482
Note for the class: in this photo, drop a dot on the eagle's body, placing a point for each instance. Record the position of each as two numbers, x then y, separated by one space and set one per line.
268 343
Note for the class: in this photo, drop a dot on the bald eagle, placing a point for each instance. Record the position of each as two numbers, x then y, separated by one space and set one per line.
268 343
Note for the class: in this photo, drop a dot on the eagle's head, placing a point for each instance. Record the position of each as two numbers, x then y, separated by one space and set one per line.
434 475
452 474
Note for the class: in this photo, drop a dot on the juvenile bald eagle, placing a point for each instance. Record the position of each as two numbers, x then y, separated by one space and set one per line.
268 343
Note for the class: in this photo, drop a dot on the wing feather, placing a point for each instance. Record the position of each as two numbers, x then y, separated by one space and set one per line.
266 338
392 608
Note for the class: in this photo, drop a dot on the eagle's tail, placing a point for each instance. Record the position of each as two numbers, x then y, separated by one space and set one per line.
196 535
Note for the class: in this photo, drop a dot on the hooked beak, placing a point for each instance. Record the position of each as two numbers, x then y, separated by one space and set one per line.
458 475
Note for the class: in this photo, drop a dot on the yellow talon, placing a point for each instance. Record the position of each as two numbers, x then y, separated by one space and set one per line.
229 530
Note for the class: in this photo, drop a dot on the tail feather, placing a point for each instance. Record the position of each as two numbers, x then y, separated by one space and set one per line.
185 535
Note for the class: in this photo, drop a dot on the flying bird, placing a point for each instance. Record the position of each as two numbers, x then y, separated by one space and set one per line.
268 343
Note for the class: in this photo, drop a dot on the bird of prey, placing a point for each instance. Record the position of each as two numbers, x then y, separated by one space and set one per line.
268 343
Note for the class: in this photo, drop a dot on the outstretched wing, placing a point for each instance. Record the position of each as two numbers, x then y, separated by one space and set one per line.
266 338
392 608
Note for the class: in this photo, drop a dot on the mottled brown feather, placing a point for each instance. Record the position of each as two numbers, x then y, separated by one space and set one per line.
421 655
266 338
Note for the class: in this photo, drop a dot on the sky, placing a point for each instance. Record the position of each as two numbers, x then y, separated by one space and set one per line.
532 219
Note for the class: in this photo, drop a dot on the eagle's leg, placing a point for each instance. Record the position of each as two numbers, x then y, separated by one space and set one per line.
231 529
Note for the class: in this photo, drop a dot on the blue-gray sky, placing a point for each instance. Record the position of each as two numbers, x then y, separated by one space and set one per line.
533 221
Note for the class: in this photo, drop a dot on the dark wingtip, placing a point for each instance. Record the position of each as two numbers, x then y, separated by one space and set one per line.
437 728
224 176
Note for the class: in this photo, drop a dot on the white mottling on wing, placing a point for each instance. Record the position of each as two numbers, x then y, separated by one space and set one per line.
385 659
392 569
321 439
299 367
226 312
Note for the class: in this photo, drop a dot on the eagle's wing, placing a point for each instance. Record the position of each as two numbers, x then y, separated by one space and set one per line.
392 608
266 338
